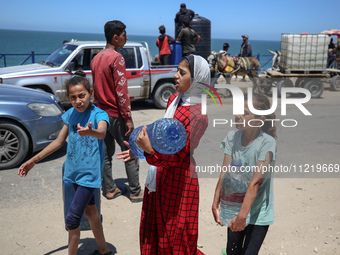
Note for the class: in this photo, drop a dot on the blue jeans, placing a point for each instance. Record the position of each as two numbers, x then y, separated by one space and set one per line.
117 133
82 198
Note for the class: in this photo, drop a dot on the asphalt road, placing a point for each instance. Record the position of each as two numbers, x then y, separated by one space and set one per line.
312 143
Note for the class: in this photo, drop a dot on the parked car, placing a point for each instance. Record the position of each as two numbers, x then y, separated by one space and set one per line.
146 80
29 121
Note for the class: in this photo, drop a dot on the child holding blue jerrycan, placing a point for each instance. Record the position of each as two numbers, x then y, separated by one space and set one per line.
243 199
85 126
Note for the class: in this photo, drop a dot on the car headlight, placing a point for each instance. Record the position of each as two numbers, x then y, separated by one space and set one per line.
45 110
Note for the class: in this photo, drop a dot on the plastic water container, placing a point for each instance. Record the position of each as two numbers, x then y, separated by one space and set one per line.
233 189
176 53
167 136
68 194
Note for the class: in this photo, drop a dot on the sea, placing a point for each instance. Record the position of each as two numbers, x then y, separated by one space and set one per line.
41 42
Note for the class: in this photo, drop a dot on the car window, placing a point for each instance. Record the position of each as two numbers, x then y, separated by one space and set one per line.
129 56
58 56
89 54
139 57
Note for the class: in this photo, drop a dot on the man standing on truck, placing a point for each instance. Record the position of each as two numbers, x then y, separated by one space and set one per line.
188 36
163 43
184 14
111 95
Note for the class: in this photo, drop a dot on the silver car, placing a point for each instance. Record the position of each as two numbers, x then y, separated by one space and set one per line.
29 121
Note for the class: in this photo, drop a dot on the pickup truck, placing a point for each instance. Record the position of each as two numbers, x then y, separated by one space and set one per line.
146 80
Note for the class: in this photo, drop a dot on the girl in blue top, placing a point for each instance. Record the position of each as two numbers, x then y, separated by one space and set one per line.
85 126
254 144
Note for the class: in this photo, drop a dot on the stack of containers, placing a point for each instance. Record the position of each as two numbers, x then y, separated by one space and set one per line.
304 52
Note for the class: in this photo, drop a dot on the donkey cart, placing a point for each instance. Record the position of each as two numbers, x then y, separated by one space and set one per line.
314 82
302 64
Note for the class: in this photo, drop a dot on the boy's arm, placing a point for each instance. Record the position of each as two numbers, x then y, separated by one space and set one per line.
198 38
98 133
239 222
52 147
123 97
121 86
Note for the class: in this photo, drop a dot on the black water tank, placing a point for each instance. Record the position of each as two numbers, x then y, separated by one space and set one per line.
202 27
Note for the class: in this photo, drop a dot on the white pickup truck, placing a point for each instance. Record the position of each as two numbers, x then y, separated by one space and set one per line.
145 81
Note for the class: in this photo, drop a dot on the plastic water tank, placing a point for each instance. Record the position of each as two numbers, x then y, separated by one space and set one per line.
202 27
176 53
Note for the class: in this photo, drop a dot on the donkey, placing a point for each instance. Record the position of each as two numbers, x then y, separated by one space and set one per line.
241 66
276 59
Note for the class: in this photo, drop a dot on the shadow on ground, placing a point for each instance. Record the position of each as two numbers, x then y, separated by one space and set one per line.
86 247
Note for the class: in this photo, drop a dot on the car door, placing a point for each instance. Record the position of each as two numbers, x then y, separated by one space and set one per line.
133 71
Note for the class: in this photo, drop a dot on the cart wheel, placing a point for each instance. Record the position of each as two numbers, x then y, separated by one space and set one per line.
300 82
335 83
264 86
283 83
315 87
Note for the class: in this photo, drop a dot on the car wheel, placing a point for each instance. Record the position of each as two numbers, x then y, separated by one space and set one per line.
14 145
162 94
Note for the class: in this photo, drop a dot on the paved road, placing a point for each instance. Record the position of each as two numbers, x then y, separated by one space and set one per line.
315 140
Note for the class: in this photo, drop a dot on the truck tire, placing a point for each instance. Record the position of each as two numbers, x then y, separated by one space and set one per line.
315 87
162 94
14 145
283 83
335 83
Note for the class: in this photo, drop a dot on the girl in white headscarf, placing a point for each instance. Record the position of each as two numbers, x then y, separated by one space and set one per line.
169 221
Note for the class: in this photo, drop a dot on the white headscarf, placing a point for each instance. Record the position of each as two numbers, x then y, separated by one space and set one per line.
193 94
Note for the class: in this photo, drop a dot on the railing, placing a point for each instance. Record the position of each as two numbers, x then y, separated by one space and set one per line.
31 56
262 67
33 59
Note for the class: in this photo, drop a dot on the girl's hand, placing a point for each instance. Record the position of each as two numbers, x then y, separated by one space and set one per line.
84 131
127 155
237 224
216 213
143 141
25 168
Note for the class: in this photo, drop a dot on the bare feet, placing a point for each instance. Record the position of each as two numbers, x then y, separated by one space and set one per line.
138 198
113 194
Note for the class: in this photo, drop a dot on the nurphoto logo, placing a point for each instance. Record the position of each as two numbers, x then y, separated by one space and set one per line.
238 103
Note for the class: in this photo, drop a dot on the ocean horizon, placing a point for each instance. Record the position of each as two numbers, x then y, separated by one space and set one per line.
43 42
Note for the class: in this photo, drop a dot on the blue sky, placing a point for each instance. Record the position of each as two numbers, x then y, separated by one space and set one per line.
261 19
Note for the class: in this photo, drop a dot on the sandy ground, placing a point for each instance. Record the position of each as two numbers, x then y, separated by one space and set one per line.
307 219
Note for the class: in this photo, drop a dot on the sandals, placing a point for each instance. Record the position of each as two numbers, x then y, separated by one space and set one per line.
96 252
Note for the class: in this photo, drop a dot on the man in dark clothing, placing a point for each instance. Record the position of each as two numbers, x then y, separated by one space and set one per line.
188 36
245 48
164 47
184 14
225 49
